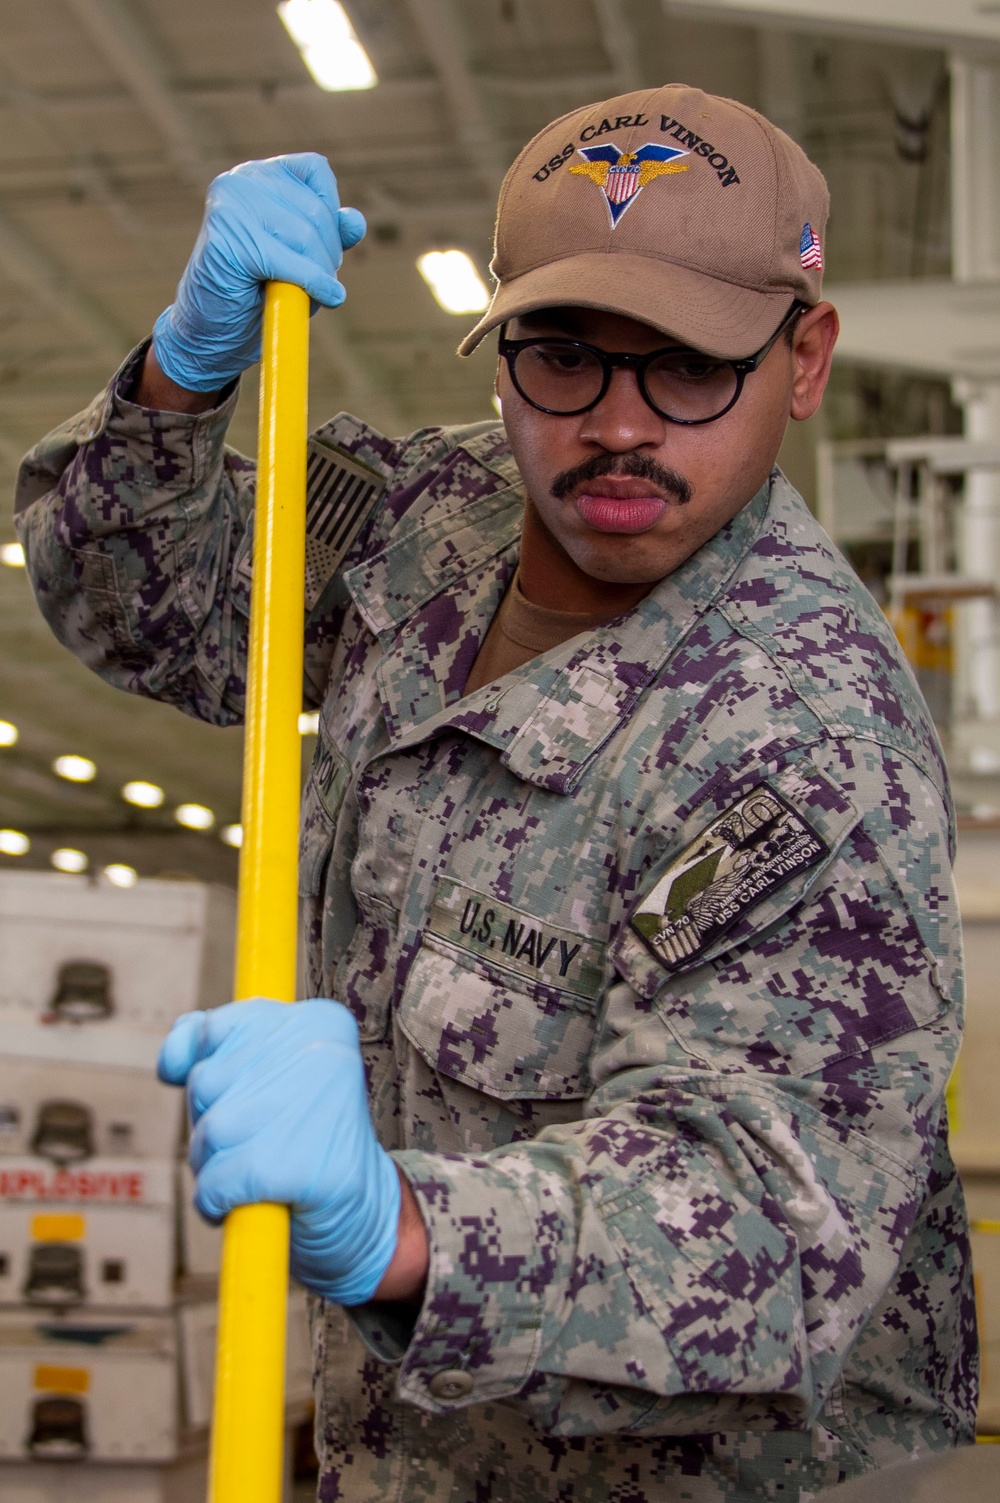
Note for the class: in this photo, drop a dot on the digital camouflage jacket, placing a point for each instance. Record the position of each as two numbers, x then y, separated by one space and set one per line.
654 950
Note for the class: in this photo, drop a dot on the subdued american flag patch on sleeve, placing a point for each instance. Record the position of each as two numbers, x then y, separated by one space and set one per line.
341 493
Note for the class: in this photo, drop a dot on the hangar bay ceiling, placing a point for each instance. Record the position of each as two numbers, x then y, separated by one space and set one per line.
114 114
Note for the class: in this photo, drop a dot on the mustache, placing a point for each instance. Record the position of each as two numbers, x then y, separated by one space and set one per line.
636 466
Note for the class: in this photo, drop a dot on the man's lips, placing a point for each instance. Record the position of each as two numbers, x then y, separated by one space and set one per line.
620 512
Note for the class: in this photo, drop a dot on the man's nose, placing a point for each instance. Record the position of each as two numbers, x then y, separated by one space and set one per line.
623 419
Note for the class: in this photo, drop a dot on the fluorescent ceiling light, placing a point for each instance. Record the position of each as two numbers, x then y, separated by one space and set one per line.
75 769
322 31
232 835
309 723
194 816
68 860
454 281
120 875
12 554
8 733
143 795
13 843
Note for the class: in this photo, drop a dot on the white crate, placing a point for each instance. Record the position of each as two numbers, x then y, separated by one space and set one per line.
200 1242
181 1481
100 1235
123 1113
197 1329
166 947
76 1387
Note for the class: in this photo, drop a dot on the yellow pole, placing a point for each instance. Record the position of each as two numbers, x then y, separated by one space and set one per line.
248 1422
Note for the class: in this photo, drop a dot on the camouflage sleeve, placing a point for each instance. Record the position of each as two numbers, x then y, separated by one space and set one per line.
137 528
131 522
701 1250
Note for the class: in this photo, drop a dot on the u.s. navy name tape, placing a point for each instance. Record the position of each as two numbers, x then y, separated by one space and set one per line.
515 941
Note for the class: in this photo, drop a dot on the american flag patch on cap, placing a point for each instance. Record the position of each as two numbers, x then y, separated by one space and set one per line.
810 251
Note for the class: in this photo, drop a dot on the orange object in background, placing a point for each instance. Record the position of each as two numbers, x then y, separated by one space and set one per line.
926 634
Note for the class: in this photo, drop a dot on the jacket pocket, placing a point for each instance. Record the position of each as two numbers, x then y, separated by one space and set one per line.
495 1031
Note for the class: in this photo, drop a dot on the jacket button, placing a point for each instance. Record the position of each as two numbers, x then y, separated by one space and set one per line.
450 1386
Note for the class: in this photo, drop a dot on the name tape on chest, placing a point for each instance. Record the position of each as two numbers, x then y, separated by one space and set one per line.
515 941
742 857
330 775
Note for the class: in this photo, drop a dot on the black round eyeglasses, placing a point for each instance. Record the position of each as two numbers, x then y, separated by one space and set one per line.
565 377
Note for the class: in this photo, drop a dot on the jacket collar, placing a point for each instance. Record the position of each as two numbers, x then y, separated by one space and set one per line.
431 594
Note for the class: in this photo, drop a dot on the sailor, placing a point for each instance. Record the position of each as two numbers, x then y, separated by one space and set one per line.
614 1134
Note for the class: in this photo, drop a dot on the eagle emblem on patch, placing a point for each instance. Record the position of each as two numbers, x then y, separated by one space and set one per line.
755 847
622 175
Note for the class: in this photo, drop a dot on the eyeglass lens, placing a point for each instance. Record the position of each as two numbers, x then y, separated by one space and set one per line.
681 384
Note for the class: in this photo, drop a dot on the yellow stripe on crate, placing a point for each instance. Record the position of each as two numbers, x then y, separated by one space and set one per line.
991 1228
62 1379
58 1227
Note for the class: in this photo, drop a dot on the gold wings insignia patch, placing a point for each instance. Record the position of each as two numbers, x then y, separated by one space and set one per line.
597 171
649 170
622 175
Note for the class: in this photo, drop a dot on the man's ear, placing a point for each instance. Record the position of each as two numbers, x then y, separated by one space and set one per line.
812 352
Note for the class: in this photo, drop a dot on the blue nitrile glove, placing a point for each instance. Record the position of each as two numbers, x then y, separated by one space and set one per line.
278 220
280 1111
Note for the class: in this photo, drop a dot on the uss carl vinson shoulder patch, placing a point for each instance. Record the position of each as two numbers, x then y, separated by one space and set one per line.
756 846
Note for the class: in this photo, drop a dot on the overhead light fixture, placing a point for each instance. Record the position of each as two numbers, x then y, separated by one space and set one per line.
14 843
322 31
194 816
309 723
75 769
12 554
143 795
232 835
8 733
452 277
68 860
120 875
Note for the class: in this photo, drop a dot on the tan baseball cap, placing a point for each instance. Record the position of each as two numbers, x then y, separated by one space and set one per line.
686 211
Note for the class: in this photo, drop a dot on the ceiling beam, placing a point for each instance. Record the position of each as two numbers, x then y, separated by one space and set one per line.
782 79
344 361
440 32
376 155
618 41
590 85
969 24
124 46
27 266
393 93
198 157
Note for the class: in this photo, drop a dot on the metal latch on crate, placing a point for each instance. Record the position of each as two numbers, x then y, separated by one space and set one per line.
58 1429
55 1274
64 1132
83 992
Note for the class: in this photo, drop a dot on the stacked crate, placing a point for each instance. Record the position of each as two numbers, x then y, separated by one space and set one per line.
107 1279
975 1122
